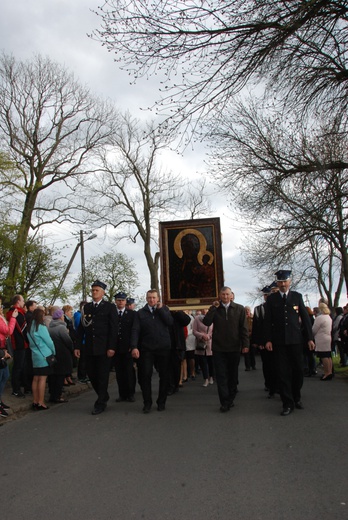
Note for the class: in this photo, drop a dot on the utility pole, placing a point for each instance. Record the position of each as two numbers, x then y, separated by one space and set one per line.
57 291
83 270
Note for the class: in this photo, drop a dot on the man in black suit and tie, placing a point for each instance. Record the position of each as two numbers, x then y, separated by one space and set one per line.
124 363
99 329
284 313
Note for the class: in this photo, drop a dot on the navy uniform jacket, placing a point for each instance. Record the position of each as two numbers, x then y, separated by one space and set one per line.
230 332
98 328
151 330
282 322
124 327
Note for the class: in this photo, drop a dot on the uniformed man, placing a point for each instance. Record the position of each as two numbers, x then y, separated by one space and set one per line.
284 313
130 304
124 364
99 330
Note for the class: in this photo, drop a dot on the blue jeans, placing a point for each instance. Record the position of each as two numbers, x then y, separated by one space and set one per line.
4 375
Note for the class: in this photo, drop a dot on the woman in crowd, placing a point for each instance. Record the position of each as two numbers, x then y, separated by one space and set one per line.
204 353
188 367
68 318
41 346
64 350
6 329
322 336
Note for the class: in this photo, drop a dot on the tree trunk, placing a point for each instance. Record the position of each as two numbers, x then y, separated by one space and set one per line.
11 281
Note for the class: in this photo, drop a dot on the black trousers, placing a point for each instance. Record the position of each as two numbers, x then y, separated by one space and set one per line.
249 358
289 366
55 386
125 374
226 375
176 356
81 365
147 361
269 370
98 370
22 370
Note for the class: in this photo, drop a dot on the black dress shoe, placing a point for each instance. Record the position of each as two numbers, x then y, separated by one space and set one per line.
97 410
147 409
120 400
130 399
286 411
299 405
224 408
161 408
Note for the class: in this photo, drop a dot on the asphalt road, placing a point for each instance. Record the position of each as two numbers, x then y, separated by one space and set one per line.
190 462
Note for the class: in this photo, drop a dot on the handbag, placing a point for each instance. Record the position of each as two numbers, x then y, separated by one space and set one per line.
51 359
201 344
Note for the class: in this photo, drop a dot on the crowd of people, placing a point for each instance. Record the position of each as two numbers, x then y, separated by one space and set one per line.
45 345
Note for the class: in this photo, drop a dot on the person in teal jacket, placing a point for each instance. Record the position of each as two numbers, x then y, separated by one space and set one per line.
41 346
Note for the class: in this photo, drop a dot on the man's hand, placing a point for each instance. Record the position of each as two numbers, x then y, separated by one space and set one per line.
135 353
77 353
245 350
269 346
110 353
311 345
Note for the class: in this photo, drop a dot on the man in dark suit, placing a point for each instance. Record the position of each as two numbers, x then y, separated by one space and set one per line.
230 337
151 344
257 340
284 313
124 364
98 328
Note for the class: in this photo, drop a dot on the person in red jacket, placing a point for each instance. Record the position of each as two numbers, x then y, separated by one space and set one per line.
21 369
6 329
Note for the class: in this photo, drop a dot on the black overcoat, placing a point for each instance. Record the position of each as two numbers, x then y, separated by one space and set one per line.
282 322
98 327
63 345
150 331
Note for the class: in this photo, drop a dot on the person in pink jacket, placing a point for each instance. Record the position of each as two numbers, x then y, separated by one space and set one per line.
6 329
322 337
204 353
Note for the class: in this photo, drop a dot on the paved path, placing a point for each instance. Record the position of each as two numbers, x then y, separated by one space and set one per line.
190 462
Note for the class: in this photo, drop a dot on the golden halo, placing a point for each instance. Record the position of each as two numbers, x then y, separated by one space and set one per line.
202 245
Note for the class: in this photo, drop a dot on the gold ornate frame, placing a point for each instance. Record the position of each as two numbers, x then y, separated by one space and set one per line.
191 262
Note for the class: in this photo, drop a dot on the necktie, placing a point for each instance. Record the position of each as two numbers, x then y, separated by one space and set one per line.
120 314
153 309
284 298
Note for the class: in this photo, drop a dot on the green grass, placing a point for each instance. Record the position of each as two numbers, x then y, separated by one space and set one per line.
339 371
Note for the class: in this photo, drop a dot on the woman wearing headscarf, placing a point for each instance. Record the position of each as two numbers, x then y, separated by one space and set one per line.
64 349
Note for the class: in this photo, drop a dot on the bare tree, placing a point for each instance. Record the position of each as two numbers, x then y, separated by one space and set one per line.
136 193
206 51
117 270
50 130
291 184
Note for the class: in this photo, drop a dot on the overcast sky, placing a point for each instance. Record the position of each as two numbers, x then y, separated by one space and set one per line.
58 29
